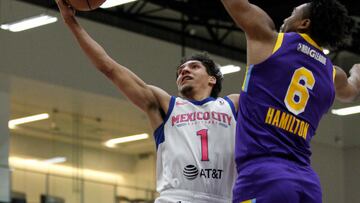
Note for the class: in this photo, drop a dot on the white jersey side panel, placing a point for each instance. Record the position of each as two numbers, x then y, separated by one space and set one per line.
196 148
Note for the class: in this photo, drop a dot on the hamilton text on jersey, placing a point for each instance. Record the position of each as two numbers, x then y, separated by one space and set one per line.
287 122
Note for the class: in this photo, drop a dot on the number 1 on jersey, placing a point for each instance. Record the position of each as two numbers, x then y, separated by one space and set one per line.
204 144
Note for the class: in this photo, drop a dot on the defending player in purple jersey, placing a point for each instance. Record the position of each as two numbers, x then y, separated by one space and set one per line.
290 84
300 91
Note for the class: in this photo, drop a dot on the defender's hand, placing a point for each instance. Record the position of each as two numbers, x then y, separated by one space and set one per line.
355 69
355 76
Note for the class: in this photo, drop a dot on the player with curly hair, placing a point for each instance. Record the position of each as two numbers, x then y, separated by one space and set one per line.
290 84
194 132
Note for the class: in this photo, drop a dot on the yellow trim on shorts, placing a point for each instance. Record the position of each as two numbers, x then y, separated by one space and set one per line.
310 41
334 73
279 41
249 201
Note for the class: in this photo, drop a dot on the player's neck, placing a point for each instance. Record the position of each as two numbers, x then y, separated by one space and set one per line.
197 96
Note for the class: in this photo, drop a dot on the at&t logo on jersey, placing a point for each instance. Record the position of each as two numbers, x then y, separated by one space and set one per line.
191 172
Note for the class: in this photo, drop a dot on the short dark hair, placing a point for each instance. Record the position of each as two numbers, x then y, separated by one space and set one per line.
212 69
330 23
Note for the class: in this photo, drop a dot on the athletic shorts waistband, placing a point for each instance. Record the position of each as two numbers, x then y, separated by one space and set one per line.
194 195
275 160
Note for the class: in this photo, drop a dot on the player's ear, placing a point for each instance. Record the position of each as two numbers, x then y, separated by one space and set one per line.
305 24
212 80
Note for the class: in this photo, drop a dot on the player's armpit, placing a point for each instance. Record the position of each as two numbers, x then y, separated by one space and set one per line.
235 100
162 97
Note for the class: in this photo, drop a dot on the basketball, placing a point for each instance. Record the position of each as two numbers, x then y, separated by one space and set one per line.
85 5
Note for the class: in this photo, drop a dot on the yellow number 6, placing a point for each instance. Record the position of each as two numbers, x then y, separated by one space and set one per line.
300 90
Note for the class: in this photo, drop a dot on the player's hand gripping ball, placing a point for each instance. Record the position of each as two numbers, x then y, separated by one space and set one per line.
85 5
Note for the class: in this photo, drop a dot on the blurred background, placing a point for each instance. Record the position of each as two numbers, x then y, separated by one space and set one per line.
68 156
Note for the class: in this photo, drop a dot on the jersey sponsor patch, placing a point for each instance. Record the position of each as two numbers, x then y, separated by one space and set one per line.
191 172
311 52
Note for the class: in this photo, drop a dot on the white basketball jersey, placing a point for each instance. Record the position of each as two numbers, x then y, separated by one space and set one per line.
195 149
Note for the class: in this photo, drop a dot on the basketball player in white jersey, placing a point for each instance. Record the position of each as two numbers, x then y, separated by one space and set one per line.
194 133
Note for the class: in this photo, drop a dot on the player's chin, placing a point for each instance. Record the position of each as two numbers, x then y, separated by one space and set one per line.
183 84
185 89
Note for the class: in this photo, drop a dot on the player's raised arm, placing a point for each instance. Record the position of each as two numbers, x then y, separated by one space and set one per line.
146 97
347 88
251 19
259 29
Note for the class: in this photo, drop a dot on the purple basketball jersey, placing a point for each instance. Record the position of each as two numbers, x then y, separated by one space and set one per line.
283 100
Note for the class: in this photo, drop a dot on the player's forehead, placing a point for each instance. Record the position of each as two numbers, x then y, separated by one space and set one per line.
189 63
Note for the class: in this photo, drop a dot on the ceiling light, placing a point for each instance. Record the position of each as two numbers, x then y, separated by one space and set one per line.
13 123
113 142
113 3
55 160
346 111
29 23
229 69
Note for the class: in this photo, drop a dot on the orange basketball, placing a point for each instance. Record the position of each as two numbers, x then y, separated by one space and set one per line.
85 5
